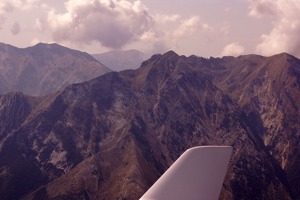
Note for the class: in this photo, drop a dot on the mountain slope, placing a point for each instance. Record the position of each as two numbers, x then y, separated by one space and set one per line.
270 94
113 136
44 68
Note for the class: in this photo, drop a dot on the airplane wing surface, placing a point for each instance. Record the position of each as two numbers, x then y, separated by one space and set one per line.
198 174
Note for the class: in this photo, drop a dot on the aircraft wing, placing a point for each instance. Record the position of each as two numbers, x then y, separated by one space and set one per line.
198 174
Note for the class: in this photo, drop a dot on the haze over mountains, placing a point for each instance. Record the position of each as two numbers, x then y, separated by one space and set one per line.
119 60
113 136
45 68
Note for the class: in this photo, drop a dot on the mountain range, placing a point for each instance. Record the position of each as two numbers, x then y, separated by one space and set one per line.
45 68
113 136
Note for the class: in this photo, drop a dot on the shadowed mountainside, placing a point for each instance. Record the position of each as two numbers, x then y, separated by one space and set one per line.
113 136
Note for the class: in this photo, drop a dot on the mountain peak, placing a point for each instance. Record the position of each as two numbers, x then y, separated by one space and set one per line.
170 53
285 56
46 44
45 68
53 46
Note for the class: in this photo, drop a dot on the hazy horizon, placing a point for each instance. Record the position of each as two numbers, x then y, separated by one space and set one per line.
204 28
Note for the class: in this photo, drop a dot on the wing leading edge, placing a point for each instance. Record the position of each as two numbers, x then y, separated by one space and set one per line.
198 174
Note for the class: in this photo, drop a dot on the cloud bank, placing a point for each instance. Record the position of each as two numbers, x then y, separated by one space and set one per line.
15 29
170 30
284 36
8 6
116 24
233 49
113 23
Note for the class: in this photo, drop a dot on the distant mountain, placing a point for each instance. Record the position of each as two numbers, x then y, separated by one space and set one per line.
44 68
119 60
113 136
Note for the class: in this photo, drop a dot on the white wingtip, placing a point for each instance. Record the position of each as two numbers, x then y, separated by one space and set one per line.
197 174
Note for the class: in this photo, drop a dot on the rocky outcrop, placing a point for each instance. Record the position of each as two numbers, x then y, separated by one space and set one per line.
269 95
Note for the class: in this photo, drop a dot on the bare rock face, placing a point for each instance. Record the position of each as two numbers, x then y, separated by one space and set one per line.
269 95
113 136
44 68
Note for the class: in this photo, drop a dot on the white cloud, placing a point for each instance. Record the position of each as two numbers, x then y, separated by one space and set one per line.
187 27
16 28
167 18
259 8
6 7
2 20
233 49
119 23
284 36
113 23
9 6
225 29
207 28
156 41
173 30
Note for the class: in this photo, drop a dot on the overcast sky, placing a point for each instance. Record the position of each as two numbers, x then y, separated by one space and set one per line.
201 27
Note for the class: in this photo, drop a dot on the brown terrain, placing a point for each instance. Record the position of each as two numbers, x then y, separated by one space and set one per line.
113 136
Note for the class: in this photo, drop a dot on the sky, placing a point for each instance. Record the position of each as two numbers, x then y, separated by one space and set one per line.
200 27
